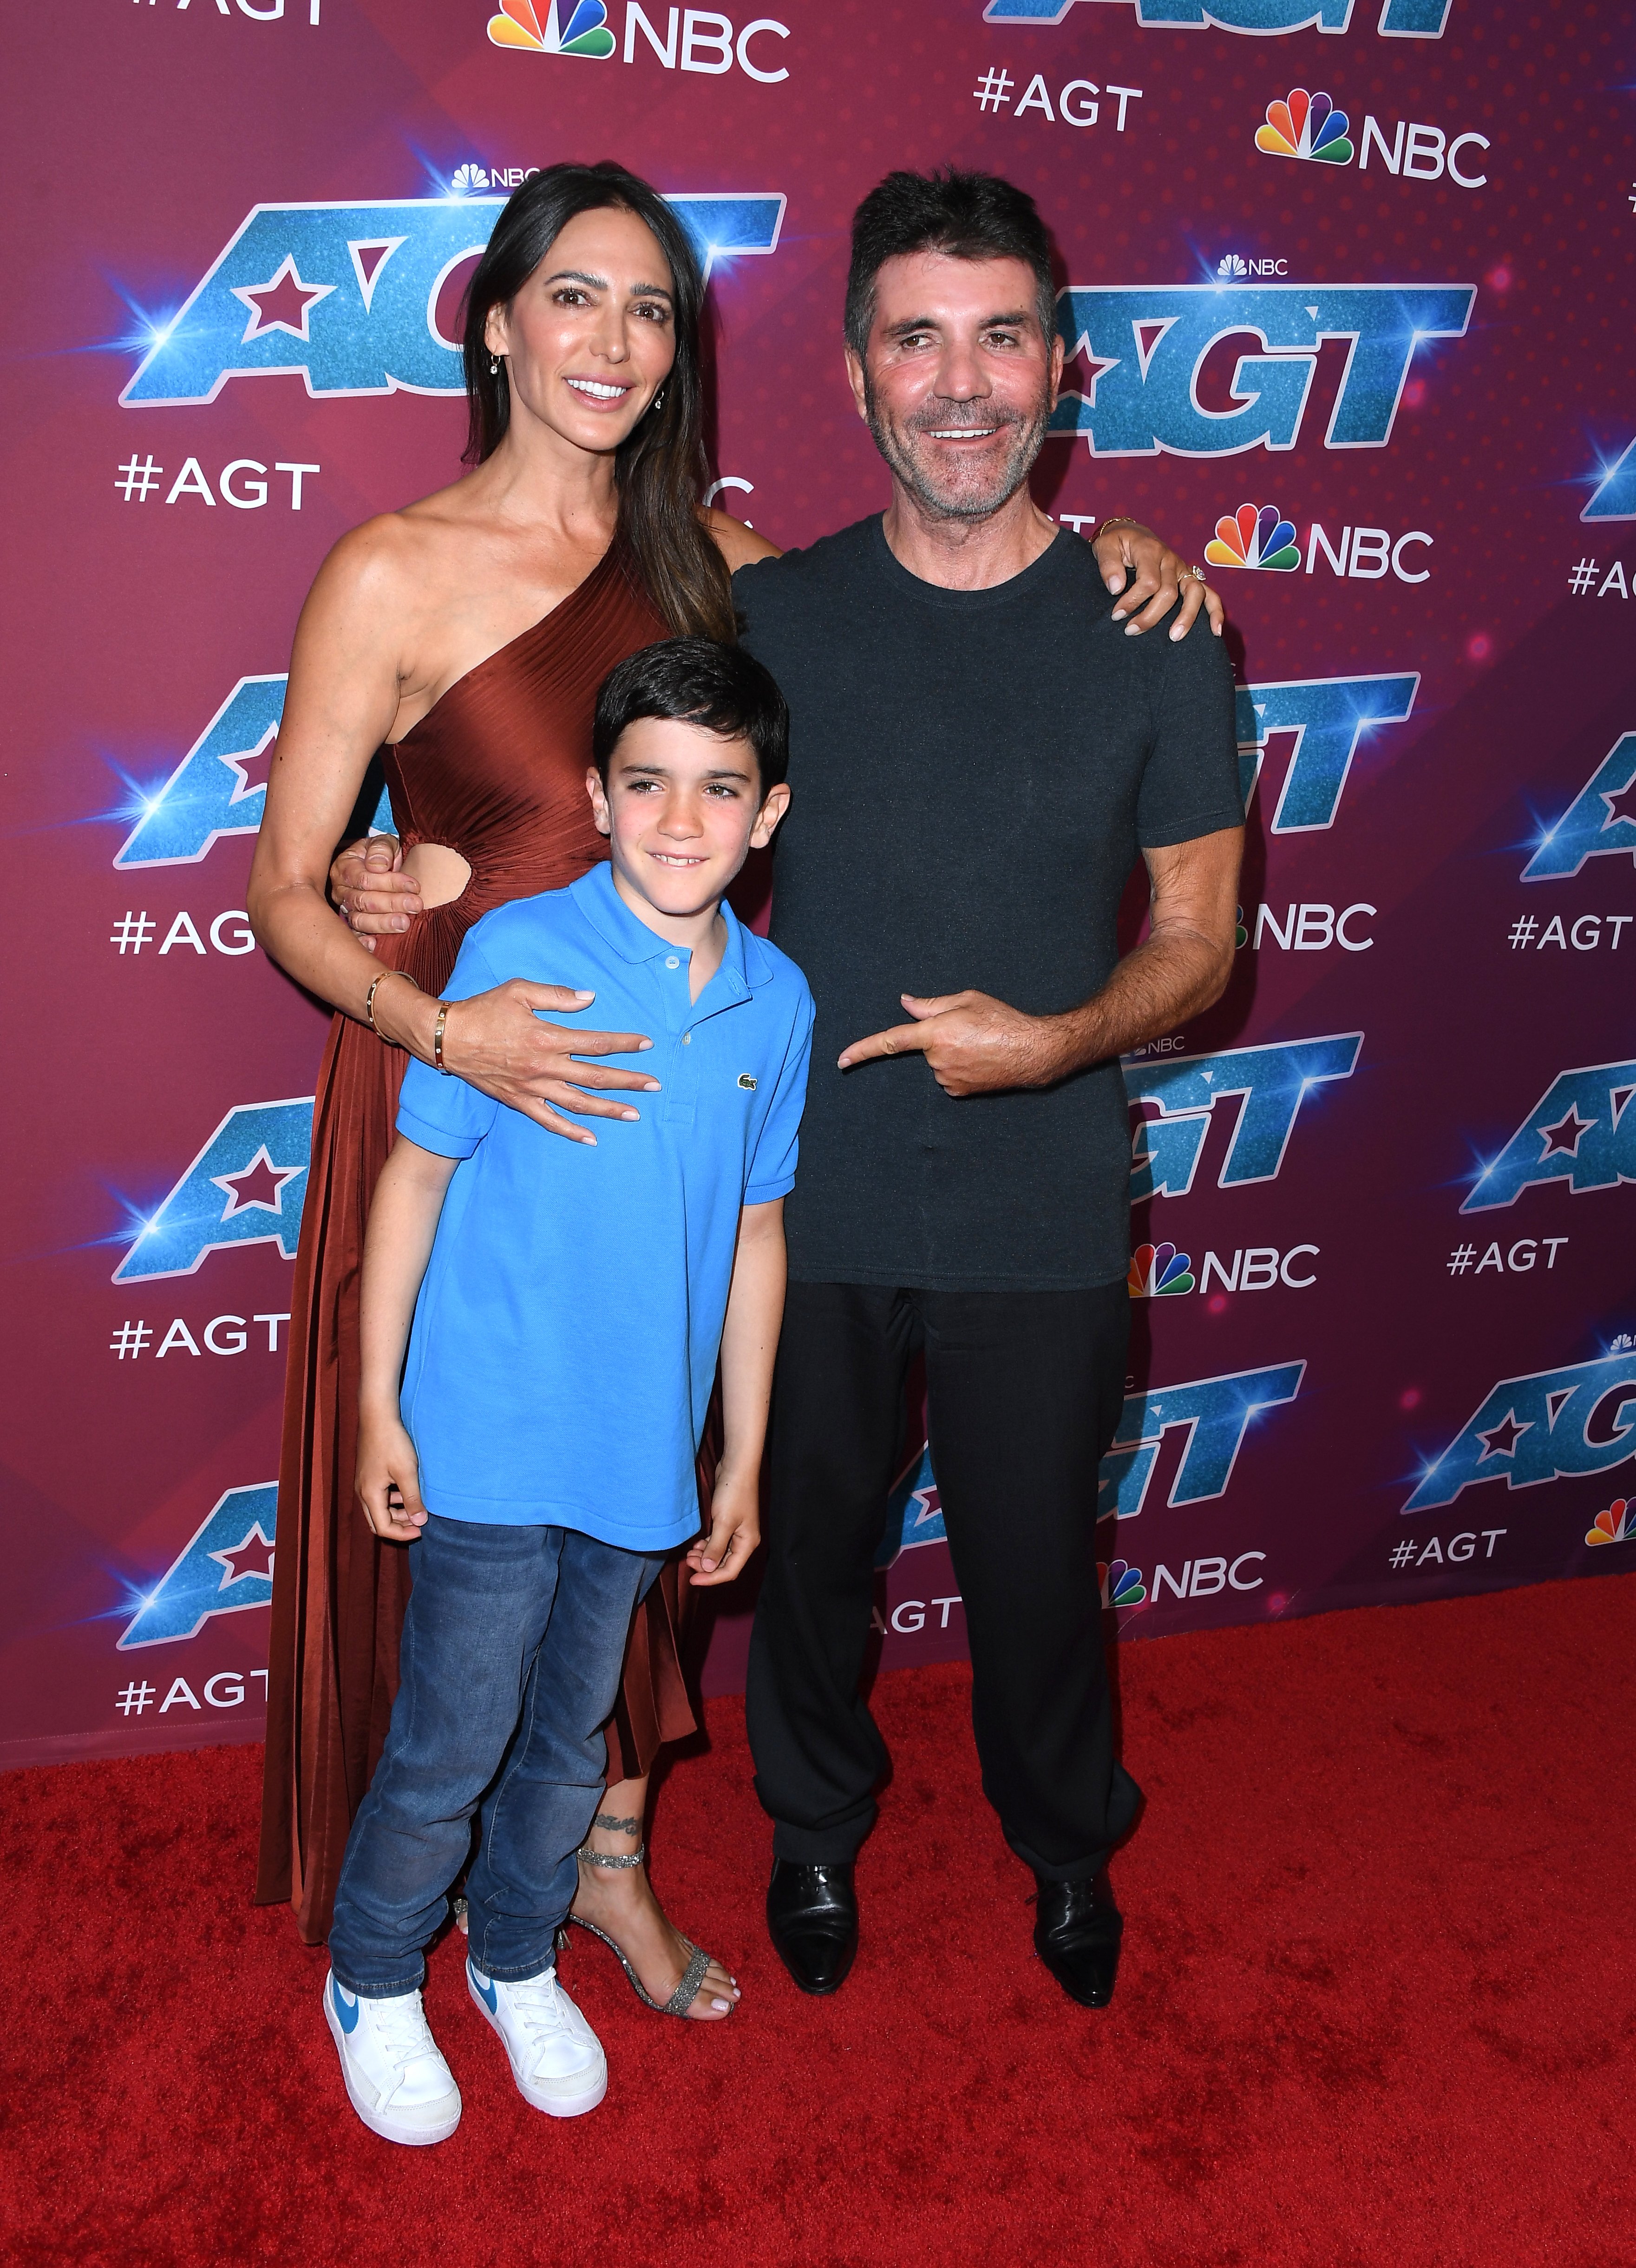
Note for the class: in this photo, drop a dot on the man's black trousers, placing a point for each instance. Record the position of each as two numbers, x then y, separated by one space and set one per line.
1023 1392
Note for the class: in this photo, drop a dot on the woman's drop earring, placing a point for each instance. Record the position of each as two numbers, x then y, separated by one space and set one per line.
494 366
657 402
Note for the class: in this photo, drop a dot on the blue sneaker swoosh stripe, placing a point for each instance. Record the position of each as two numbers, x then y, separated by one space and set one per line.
485 1987
348 2016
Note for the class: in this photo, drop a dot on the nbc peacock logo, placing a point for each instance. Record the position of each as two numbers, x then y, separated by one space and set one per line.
572 27
1258 535
1616 1525
1158 1271
1121 1584
1305 126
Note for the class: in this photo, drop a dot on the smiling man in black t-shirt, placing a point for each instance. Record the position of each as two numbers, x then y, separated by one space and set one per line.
979 750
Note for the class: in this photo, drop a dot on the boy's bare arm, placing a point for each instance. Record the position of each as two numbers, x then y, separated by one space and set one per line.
749 1340
403 1222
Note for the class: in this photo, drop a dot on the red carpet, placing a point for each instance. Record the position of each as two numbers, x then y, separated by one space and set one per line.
1376 2009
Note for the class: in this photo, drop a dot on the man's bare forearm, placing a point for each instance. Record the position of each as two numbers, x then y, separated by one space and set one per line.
1175 973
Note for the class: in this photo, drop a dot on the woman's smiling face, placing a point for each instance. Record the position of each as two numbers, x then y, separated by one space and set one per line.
590 336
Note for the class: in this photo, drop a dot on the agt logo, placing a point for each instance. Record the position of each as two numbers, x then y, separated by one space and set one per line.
1552 1425
1274 1082
346 295
580 27
1328 717
225 1567
211 793
1142 346
1214 1416
1583 1130
245 1187
1399 20
914 1512
1599 822
1309 128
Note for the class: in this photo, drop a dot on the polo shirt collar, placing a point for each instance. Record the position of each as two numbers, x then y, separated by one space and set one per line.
744 962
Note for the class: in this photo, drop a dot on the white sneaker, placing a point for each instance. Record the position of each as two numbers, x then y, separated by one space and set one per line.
396 2081
557 2059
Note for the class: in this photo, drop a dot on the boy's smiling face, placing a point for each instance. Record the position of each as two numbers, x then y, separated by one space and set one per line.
682 810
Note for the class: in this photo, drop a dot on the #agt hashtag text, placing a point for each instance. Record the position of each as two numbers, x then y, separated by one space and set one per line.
1584 934
1582 579
1413 1552
135 1699
1076 104
222 1335
244 483
228 932
1524 1254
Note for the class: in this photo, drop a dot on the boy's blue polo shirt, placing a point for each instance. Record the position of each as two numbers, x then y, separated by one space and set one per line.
565 1339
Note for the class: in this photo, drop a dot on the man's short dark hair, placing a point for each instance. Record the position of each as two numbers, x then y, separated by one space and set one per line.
968 216
719 689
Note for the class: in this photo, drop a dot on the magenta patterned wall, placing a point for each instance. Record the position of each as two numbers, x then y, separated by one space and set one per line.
1347 294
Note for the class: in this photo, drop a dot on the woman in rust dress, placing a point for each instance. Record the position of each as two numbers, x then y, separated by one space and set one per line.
467 637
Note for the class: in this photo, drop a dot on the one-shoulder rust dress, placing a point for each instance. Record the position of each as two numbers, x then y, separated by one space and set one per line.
495 769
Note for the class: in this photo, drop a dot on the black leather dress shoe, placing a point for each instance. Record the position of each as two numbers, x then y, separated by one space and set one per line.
812 1917
1076 1933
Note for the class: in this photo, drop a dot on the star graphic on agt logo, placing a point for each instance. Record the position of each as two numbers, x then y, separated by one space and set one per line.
283 303
1258 535
585 32
1307 126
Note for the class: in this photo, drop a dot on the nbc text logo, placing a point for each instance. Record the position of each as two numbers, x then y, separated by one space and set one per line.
1143 344
1309 127
1582 1131
1274 1080
1551 1425
245 1187
347 295
580 27
1233 265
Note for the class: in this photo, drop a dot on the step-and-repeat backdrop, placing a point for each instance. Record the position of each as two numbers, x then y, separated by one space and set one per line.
1347 298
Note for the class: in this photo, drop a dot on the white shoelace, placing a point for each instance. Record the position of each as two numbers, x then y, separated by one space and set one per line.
537 2006
404 2035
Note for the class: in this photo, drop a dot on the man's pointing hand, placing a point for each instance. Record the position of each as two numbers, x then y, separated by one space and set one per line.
974 1043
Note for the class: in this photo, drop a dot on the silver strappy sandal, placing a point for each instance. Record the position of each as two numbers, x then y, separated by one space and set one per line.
698 1961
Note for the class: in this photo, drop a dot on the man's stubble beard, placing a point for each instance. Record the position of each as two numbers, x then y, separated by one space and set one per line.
961 502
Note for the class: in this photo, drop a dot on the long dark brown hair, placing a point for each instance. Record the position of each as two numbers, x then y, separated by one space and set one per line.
659 470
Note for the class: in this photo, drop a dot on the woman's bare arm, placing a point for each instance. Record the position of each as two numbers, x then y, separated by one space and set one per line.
346 675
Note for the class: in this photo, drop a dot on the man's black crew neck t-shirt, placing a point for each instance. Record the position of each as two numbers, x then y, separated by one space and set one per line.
973 775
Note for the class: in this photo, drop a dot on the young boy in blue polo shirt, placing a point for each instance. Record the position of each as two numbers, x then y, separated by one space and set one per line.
568 1303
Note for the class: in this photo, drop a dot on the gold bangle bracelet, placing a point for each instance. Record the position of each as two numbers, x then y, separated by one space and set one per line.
376 982
437 1031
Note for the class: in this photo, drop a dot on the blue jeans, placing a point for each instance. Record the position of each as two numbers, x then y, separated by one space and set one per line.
510 1658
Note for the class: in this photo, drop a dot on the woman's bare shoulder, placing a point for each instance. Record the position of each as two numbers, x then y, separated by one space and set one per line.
740 546
397 556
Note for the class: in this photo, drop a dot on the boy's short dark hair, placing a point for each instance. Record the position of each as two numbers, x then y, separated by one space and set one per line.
720 688
968 216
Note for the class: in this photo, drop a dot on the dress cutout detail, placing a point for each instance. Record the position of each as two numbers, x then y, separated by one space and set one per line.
495 770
